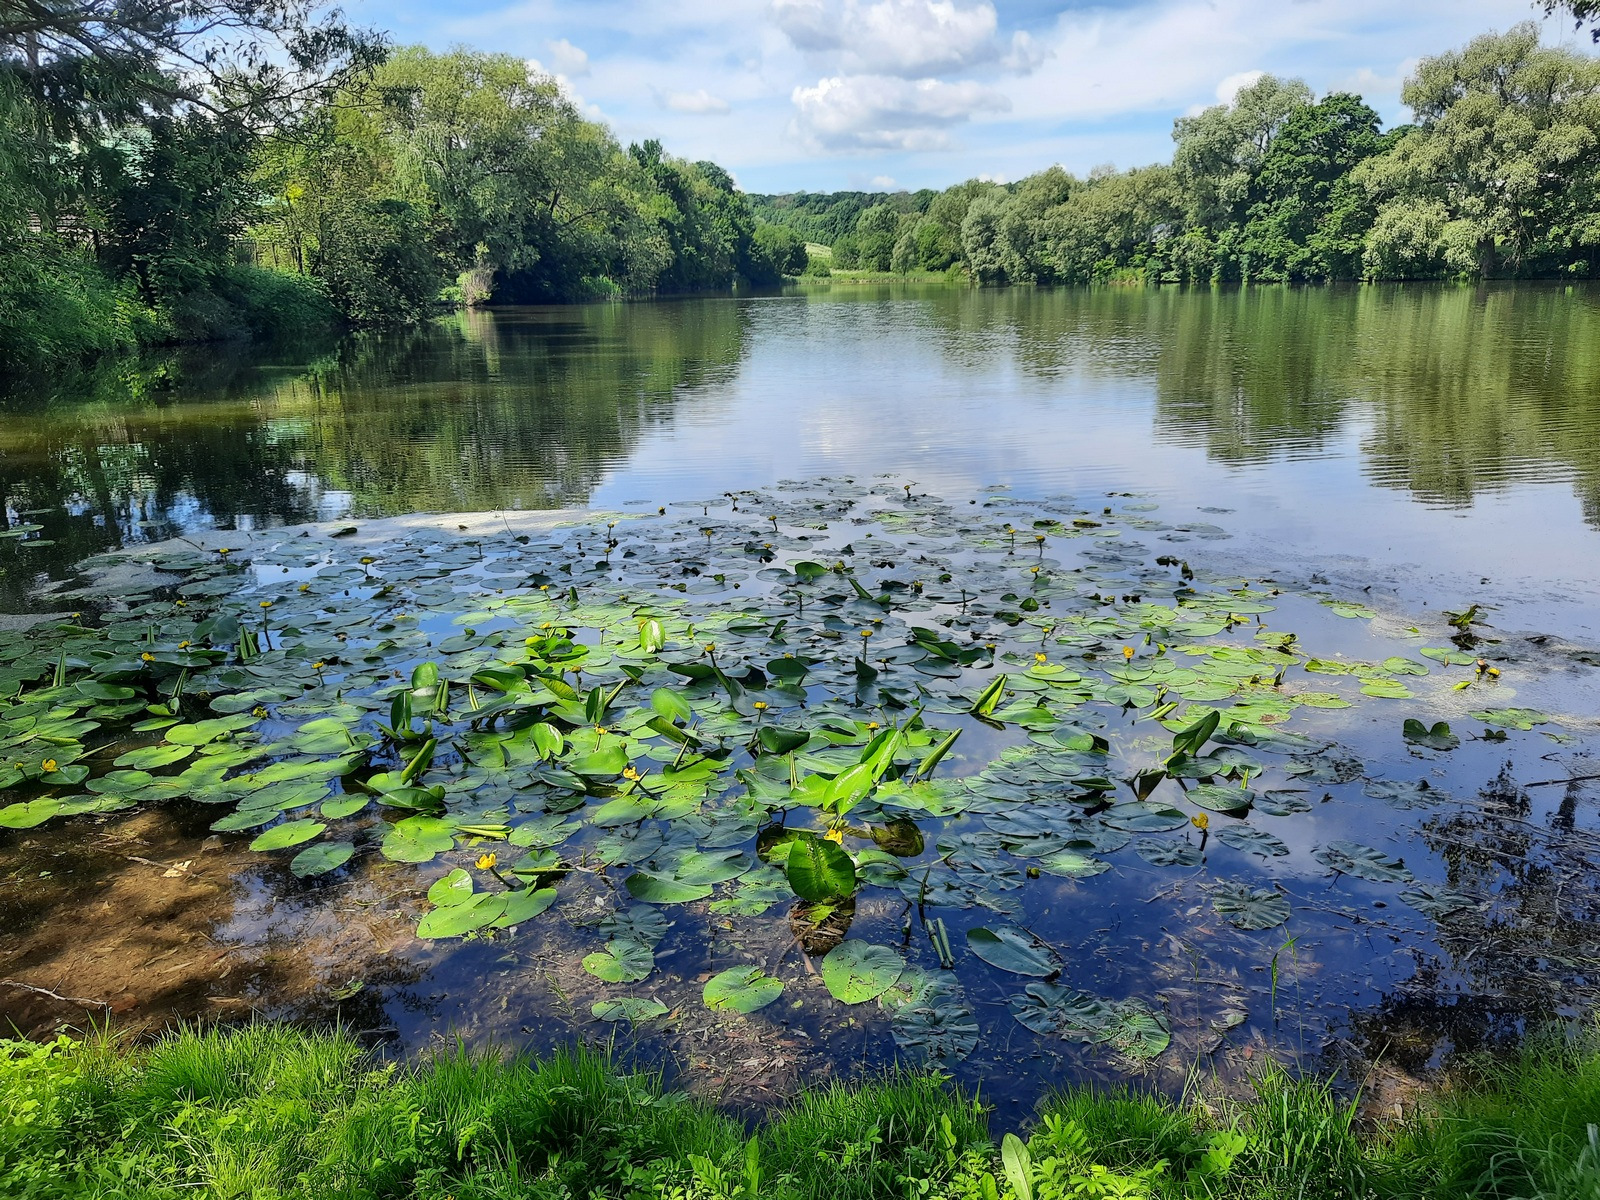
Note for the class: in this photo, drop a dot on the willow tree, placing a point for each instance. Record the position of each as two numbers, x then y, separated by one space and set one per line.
1501 174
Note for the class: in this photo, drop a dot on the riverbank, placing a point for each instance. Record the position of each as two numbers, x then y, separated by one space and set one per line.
271 1110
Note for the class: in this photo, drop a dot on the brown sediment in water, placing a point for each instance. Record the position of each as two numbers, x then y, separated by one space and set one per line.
131 919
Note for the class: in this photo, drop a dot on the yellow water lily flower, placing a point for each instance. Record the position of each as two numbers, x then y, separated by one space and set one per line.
266 604
1201 821
48 766
486 862
834 835
1041 658
760 706
1127 652
147 657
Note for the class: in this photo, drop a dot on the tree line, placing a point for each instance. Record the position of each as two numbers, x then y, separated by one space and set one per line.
186 169
189 169
1497 176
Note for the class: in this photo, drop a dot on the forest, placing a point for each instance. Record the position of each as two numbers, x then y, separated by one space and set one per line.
1498 176
197 169
200 169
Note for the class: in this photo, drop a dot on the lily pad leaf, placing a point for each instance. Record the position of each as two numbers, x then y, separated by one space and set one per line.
1437 902
1072 865
1143 816
661 889
741 990
1219 798
1013 949
454 920
621 962
1352 858
819 870
1167 854
321 858
147 758
1249 907
633 1009
418 839
1251 841
1511 718
856 971
1406 794
290 833
524 904
454 888
1438 737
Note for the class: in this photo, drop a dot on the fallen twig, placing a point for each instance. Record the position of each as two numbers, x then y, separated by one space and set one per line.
78 1000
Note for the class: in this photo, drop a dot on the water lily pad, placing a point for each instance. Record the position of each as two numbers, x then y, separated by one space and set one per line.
321 858
633 1009
1129 1026
741 990
621 962
418 839
1070 864
1222 799
1167 854
819 870
1438 737
1251 840
1012 949
1437 902
456 920
1145 817
523 904
148 758
662 889
1511 718
1406 794
1250 907
1352 858
856 971
290 833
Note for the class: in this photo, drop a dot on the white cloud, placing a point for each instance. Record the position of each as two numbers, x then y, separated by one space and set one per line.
1228 90
910 38
883 112
1377 87
564 85
567 59
697 103
881 182
1025 54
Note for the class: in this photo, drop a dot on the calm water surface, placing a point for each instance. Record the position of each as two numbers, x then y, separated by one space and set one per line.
1438 446
1425 438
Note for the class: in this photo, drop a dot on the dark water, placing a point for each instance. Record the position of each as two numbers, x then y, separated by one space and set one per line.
1418 447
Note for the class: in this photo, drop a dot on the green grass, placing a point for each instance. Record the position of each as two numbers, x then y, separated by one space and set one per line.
275 1112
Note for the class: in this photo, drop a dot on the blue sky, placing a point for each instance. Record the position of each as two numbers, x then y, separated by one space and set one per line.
827 94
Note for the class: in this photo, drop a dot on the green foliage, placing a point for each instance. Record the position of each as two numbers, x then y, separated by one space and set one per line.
269 1110
1496 178
1519 1127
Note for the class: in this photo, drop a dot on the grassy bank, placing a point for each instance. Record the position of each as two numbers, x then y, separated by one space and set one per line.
276 1112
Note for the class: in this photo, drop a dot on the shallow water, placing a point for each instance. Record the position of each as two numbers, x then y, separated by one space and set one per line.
1439 447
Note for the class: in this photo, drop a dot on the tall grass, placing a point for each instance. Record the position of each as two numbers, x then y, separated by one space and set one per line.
274 1112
